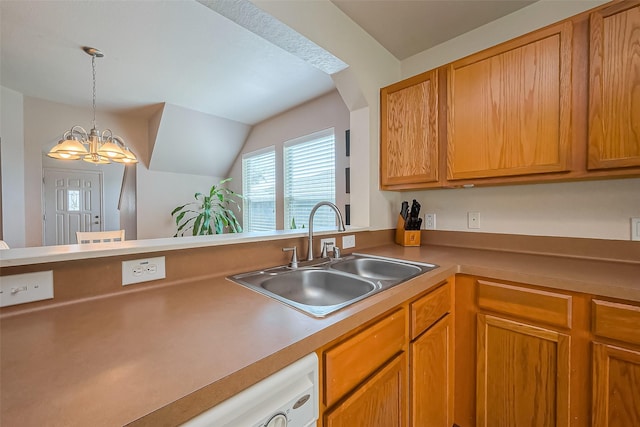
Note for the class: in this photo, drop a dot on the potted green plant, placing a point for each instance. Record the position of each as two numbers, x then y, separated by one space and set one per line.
209 214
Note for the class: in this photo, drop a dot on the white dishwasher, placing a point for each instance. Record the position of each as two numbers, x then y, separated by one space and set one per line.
288 398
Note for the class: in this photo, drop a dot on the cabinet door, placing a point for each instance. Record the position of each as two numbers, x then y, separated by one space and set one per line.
523 375
349 362
380 401
432 377
409 131
616 386
509 110
614 73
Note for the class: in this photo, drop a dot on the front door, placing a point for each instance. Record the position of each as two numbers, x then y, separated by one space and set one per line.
72 202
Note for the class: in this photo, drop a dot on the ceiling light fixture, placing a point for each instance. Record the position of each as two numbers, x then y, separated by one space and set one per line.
102 147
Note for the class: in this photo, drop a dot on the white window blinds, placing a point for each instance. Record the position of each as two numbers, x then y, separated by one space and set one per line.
259 190
309 177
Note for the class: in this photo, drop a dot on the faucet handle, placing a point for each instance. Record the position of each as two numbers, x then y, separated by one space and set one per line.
324 253
336 252
294 258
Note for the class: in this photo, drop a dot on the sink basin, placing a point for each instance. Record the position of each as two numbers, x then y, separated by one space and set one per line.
318 287
377 268
326 285
315 291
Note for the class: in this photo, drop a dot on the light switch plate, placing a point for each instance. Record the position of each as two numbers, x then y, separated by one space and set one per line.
28 287
142 270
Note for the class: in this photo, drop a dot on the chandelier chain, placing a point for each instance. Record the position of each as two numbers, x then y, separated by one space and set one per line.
93 66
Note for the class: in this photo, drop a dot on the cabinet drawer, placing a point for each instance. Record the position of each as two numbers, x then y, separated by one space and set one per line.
525 303
428 309
351 361
616 321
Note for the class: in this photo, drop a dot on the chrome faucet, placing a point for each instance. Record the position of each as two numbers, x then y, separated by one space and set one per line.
313 212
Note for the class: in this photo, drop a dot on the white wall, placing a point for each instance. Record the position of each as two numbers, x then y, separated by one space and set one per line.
161 192
13 196
328 111
592 209
583 209
208 144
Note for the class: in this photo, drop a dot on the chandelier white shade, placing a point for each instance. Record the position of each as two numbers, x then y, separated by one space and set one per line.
93 146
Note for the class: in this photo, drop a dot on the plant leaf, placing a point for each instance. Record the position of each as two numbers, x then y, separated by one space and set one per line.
179 208
197 225
179 217
184 224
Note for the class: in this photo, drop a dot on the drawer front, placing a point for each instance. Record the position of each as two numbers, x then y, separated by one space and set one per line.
427 310
617 321
524 303
351 361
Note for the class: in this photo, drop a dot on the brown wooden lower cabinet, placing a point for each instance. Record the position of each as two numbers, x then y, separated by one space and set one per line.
616 386
394 371
616 367
364 375
520 355
380 401
432 376
523 374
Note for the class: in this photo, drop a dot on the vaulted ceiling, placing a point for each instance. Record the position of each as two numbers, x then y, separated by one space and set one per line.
223 58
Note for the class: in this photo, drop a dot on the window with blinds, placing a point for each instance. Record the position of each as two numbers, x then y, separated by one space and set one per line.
309 177
259 190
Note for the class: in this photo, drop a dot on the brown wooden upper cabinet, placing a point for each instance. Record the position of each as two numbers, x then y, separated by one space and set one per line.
509 109
409 131
614 87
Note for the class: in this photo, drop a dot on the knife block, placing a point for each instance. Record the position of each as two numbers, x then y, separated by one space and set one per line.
406 237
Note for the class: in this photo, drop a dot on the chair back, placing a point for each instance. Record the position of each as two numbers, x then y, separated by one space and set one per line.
100 236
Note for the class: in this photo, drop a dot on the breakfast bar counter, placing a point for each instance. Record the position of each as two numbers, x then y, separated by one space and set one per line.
163 354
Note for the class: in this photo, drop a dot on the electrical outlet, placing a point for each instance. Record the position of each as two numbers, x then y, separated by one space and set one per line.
349 241
430 221
142 270
635 228
28 287
473 219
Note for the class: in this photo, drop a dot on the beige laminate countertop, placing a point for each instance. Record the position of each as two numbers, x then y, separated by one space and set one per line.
162 355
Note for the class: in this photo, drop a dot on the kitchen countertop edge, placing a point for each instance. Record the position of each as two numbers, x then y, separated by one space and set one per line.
555 272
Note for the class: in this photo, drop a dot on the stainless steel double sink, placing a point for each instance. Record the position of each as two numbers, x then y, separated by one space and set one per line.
326 285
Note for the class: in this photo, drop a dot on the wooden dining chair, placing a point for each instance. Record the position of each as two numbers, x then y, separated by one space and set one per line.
100 236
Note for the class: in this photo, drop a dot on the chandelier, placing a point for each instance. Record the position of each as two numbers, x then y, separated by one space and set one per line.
93 147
